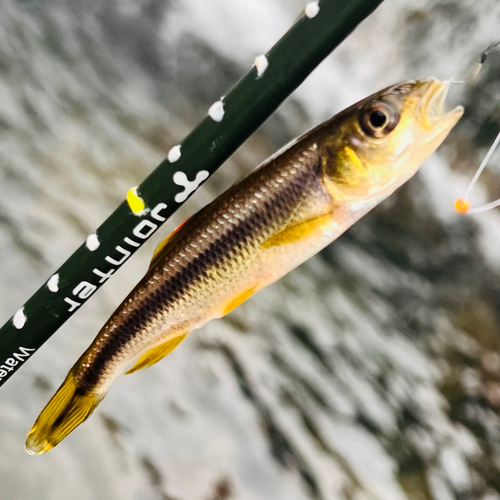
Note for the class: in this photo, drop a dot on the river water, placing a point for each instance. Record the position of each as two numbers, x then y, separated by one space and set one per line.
372 372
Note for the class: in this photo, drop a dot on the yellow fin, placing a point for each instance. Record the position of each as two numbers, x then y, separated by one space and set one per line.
163 244
297 232
154 355
233 304
67 409
355 160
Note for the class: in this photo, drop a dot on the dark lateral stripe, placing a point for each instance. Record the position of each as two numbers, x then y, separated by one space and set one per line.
173 289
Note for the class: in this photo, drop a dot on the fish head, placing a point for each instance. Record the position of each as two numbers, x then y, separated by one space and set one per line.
375 146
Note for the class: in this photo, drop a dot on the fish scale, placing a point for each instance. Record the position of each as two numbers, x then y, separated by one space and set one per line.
228 242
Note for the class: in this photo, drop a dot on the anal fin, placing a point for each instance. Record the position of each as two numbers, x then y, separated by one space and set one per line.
234 303
154 355
297 232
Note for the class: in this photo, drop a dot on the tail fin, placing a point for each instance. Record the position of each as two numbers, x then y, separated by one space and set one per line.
67 409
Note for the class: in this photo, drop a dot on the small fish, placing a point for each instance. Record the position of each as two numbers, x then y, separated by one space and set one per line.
257 231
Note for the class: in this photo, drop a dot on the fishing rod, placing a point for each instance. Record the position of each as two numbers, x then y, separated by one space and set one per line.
323 25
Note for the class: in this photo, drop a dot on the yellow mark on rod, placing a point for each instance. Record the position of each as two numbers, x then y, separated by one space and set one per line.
135 202
355 158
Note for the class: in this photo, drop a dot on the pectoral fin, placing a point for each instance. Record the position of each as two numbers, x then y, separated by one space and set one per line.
154 355
298 232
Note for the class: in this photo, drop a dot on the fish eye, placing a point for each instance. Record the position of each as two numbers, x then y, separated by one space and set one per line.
378 118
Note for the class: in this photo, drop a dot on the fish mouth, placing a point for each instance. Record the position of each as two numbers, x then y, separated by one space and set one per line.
433 115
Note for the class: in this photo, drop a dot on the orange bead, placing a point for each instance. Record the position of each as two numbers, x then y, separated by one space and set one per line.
462 206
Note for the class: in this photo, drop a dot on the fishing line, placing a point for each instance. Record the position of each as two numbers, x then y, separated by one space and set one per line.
473 74
463 205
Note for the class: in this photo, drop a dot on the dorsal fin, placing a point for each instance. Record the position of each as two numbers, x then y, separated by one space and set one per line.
159 249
